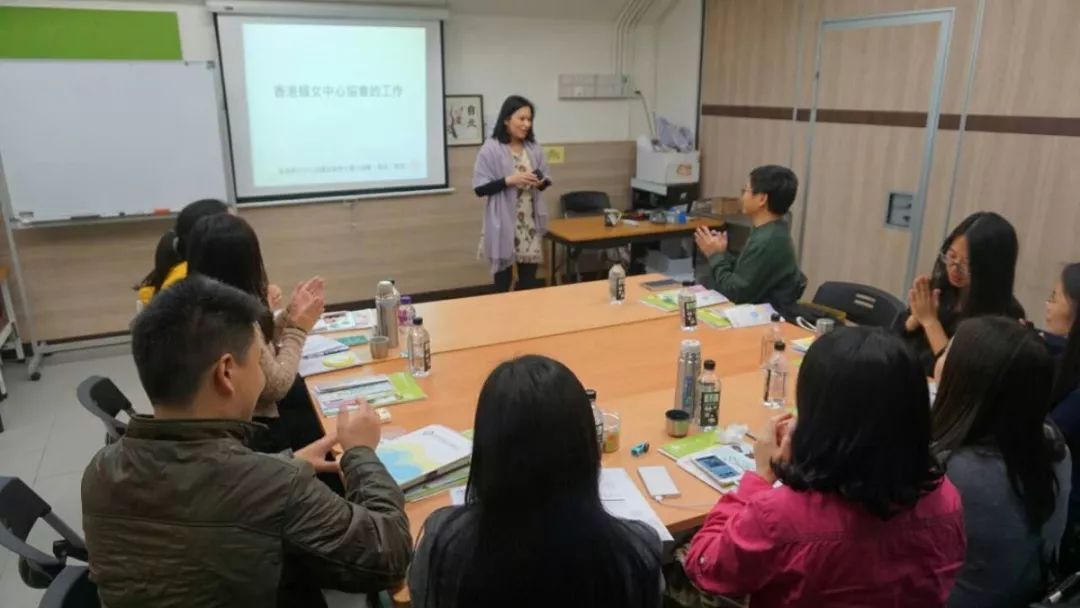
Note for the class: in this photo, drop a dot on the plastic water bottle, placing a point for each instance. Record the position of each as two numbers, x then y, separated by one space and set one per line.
617 284
406 314
688 307
419 349
770 338
387 301
776 375
707 409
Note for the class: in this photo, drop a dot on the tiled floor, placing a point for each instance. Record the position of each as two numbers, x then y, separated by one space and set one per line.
48 440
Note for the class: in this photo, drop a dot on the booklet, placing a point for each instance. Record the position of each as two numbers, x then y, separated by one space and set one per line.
424 454
668 301
379 391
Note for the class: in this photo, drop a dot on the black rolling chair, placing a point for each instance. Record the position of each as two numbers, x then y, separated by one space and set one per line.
20 509
586 203
101 398
863 305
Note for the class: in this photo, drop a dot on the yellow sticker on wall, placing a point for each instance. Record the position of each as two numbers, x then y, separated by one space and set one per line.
555 155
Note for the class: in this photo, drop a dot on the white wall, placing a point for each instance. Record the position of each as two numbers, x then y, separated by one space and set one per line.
500 56
492 56
678 62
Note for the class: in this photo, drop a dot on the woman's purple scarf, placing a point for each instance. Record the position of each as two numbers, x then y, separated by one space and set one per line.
500 213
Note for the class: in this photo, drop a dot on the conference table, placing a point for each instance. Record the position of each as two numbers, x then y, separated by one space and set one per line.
628 353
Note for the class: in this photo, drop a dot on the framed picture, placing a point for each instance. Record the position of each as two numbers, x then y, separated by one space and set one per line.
464 120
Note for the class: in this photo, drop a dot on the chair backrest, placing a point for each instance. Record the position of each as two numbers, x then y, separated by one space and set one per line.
20 509
103 399
72 588
864 305
584 202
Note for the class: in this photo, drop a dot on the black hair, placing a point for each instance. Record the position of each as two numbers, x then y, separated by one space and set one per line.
224 247
995 393
1067 376
512 104
778 184
864 423
184 331
171 247
533 526
992 252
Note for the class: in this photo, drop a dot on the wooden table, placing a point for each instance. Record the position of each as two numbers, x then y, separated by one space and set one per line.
591 233
523 315
631 365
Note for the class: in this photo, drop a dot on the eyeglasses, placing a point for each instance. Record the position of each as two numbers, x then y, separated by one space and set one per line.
948 260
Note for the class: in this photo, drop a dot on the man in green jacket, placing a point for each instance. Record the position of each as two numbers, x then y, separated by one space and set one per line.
766 270
181 513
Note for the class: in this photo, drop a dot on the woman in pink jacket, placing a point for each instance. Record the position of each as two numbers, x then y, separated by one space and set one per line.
864 517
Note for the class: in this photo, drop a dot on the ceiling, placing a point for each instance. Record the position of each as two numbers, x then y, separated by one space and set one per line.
593 10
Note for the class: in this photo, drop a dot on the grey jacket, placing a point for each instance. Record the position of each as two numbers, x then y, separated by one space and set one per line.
182 513
1005 561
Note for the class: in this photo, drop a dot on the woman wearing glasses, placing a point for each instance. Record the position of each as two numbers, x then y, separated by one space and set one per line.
973 276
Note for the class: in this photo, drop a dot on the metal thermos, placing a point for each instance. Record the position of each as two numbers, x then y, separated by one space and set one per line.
387 301
689 370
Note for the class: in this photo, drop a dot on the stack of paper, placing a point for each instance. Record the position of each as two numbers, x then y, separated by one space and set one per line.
621 498
379 391
424 454
668 301
311 366
321 346
739 456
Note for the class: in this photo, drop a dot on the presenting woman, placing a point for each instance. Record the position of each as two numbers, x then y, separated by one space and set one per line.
511 172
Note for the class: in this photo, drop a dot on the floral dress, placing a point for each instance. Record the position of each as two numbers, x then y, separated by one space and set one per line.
528 246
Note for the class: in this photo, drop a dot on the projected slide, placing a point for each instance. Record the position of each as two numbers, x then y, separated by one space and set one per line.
332 104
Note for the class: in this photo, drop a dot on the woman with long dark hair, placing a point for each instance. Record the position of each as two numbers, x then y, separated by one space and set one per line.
510 174
532 532
225 247
864 516
171 251
973 276
989 428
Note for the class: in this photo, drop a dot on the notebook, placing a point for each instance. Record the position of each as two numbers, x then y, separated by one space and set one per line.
424 454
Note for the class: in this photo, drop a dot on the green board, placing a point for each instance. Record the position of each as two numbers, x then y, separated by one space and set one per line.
54 33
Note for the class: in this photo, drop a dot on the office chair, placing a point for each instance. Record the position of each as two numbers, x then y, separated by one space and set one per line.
104 400
20 509
588 203
863 305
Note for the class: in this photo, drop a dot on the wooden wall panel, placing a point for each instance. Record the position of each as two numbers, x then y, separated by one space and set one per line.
79 278
1028 59
1032 181
749 52
733 146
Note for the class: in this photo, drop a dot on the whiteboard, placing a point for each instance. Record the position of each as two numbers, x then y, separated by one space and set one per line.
87 139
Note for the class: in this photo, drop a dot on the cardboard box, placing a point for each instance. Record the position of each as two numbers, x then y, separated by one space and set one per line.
668 167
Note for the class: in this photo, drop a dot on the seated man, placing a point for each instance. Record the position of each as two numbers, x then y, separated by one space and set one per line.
765 271
180 512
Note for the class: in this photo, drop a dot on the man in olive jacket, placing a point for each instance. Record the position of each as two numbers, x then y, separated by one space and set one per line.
180 512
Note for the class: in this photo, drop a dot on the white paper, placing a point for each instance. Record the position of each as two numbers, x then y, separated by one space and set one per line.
457 496
319 346
621 498
749 315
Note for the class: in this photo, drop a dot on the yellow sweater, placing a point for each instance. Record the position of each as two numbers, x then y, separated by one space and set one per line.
176 273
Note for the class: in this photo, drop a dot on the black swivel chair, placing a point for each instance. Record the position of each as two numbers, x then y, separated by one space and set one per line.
864 305
104 400
67 586
583 203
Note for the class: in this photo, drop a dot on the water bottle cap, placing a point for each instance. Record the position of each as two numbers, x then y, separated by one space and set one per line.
775 317
780 346
687 283
591 394
406 299
710 364
418 321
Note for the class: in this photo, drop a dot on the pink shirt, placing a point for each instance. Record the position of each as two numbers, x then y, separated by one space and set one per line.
788 548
